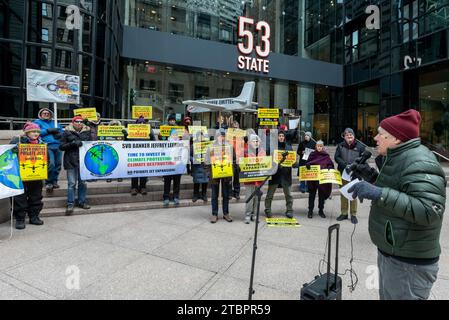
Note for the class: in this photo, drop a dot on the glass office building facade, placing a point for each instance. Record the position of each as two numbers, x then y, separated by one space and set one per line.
33 34
402 65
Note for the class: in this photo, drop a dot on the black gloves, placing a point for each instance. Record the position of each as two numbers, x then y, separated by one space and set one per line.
53 130
79 143
364 190
364 172
70 138
308 166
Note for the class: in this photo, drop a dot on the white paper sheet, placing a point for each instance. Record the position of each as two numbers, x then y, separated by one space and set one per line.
307 153
346 176
293 124
344 190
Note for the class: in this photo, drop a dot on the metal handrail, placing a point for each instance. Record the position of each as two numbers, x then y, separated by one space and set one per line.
13 120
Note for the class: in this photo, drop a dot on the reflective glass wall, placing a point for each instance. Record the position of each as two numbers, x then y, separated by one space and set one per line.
34 34
217 20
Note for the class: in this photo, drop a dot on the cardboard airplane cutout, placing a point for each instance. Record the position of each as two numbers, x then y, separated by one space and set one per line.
242 103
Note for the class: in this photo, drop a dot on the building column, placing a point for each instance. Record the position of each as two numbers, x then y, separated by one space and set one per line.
306 105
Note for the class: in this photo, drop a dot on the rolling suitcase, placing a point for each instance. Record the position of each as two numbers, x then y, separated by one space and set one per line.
328 285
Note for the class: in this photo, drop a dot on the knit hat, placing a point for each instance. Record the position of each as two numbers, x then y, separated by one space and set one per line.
222 131
348 130
39 115
186 120
283 127
172 117
404 126
308 133
77 118
30 126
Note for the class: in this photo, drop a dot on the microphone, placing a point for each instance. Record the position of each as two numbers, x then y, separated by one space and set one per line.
361 160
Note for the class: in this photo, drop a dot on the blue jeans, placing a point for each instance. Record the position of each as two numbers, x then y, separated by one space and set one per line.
73 176
54 164
225 187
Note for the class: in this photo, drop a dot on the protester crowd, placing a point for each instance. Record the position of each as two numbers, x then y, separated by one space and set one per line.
407 190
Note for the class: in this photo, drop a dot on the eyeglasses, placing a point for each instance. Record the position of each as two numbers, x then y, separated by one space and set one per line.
78 121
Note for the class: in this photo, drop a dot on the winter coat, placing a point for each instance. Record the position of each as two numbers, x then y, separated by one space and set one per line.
325 162
406 221
52 140
69 145
302 147
198 170
347 154
251 153
283 176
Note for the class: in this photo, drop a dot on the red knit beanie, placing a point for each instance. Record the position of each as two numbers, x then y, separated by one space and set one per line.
404 126
77 118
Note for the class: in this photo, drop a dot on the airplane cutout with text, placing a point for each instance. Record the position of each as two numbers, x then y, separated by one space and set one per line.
242 103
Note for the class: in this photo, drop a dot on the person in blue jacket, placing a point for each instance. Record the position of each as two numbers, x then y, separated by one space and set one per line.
51 135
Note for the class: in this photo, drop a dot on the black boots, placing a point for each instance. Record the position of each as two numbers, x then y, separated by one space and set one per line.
310 214
321 213
20 224
36 221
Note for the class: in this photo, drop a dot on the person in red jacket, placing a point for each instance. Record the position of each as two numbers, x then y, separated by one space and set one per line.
319 157
253 149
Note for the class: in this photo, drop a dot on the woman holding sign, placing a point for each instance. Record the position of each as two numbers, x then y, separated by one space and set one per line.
319 157
31 200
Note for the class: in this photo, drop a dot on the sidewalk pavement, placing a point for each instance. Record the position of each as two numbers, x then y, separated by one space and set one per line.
178 254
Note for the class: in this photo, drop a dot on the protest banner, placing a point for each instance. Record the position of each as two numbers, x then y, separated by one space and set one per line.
268 113
110 131
165 130
289 160
33 162
234 132
253 169
132 159
86 113
44 86
309 175
145 111
10 183
330 176
139 131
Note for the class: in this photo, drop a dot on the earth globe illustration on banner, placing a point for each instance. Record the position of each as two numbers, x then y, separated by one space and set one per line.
101 159
9 168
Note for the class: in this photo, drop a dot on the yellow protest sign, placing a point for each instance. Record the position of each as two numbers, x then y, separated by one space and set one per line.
199 150
145 111
309 175
110 131
221 169
268 113
289 160
33 162
87 113
268 123
234 132
165 130
330 176
282 222
193 130
254 169
255 163
139 131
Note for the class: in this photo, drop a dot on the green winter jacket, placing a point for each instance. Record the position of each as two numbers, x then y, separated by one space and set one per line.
406 221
